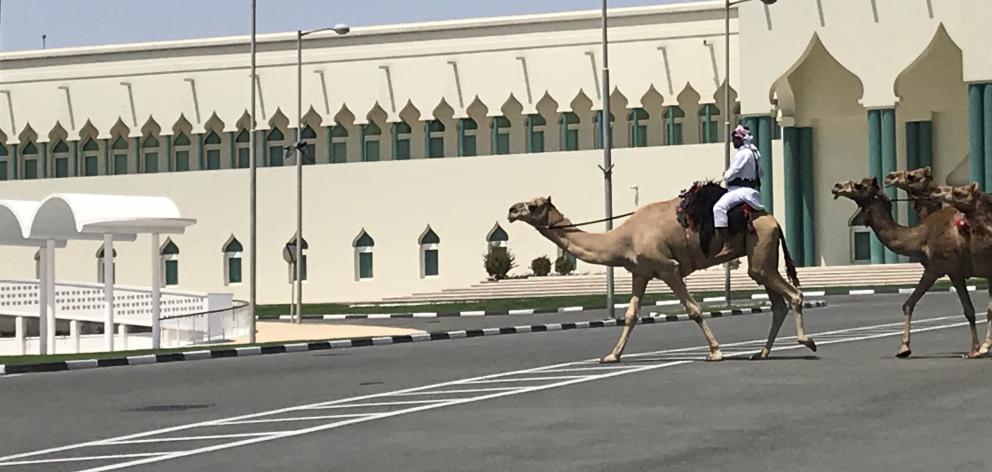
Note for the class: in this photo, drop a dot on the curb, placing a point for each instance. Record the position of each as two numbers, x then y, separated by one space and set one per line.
654 318
545 311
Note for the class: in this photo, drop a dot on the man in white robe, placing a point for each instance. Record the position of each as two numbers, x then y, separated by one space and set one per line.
743 180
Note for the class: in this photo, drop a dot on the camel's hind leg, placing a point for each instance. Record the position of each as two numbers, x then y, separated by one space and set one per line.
763 269
961 287
630 319
907 311
988 330
695 312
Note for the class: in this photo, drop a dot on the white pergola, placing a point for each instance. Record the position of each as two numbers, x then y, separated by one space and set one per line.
64 217
16 217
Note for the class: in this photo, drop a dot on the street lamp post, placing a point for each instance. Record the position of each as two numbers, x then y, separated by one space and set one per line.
300 155
607 166
252 243
727 110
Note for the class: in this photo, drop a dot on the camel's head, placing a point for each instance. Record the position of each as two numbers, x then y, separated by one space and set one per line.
964 198
914 182
861 191
535 212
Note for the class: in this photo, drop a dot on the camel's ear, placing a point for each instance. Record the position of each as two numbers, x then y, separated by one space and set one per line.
928 170
973 187
549 199
874 182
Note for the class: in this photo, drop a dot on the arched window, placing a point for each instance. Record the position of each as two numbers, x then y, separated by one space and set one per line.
242 142
277 149
120 155
180 152
501 135
429 261
435 139
4 162
61 159
638 133
339 144
569 131
468 130
91 159
100 276
363 256
598 123
232 261
212 145
309 138
673 125
170 263
150 149
30 153
371 138
535 133
401 141
709 128
289 255
497 237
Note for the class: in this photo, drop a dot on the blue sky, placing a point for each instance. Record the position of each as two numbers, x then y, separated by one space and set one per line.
91 22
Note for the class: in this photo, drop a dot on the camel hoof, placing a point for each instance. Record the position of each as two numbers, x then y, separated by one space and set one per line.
809 343
760 355
983 350
973 355
904 353
715 356
610 359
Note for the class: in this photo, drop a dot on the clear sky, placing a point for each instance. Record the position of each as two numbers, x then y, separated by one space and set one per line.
91 22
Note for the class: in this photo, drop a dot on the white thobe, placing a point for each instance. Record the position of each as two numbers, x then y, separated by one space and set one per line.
743 166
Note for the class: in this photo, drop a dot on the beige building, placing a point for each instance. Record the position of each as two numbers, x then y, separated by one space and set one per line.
424 134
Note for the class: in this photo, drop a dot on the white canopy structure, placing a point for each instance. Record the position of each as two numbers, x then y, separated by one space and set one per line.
16 217
63 217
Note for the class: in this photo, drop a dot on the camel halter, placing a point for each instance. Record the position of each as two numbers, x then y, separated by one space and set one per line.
558 225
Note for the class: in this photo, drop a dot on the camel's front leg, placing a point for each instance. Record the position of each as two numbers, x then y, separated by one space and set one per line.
907 311
961 287
695 313
630 319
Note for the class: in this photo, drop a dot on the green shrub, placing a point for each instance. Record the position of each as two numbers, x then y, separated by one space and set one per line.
541 266
564 265
498 261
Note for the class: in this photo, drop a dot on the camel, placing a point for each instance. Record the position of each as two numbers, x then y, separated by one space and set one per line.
918 184
652 243
977 208
942 247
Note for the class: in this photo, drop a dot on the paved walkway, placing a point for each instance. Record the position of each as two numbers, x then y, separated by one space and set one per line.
271 331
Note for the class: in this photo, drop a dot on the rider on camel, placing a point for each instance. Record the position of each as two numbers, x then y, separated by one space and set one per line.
743 180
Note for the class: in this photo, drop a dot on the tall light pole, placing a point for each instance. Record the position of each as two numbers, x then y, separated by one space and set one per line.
300 155
727 109
607 166
252 224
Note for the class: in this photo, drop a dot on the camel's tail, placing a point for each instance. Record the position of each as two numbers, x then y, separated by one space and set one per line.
790 265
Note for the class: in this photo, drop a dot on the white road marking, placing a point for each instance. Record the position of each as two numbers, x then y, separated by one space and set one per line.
532 381
192 438
358 405
87 458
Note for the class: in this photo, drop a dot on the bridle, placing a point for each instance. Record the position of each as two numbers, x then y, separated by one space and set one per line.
559 224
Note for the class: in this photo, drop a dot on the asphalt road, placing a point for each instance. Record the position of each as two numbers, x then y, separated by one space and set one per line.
850 406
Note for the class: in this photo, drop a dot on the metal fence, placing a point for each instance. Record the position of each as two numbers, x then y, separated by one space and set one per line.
227 324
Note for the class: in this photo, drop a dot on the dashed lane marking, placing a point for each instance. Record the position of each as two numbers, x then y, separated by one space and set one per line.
240 431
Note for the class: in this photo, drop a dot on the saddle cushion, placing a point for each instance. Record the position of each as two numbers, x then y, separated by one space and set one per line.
695 213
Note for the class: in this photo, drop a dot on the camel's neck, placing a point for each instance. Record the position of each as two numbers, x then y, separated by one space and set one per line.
594 248
903 240
923 205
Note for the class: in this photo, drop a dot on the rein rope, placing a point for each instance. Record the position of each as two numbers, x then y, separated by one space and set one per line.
587 223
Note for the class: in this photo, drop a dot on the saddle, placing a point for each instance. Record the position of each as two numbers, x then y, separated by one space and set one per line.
695 213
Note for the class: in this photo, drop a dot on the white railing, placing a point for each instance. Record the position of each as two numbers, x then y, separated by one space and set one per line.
84 301
214 326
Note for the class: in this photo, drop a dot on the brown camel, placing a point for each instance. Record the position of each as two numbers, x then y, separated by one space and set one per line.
977 208
653 244
918 184
941 245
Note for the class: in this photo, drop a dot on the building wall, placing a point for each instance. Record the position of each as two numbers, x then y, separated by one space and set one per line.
461 200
